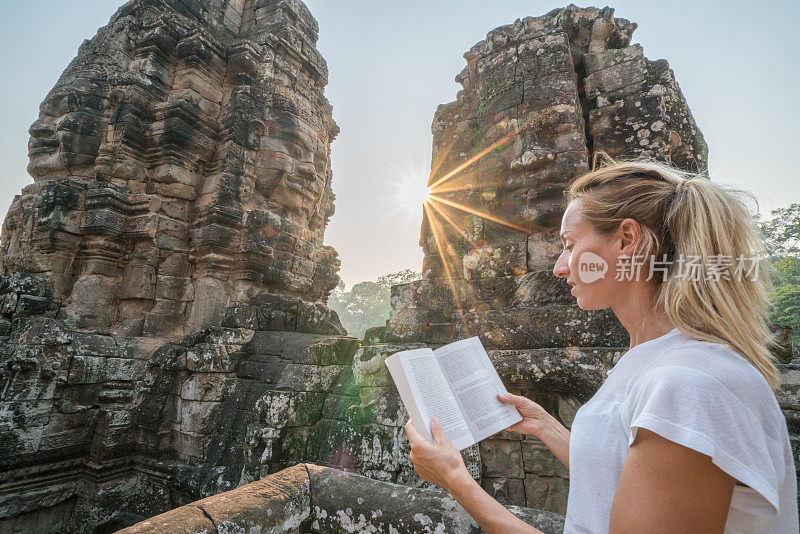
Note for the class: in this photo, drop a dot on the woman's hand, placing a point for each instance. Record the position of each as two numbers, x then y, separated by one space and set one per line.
535 419
439 463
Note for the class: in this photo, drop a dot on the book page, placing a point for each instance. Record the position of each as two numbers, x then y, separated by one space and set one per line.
475 385
426 395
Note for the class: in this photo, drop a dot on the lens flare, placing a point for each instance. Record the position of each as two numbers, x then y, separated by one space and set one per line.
412 193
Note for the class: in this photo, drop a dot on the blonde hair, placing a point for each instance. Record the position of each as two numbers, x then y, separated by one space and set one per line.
680 215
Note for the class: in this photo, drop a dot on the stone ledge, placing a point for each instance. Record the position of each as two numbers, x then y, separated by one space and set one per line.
308 498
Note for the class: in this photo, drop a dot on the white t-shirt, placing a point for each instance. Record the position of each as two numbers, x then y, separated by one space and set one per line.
701 395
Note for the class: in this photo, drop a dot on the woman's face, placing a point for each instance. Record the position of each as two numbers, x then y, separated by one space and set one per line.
588 261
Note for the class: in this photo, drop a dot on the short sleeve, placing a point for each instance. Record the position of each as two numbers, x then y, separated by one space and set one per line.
725 419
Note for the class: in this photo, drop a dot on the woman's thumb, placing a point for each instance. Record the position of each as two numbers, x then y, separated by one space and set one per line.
437 431
508 398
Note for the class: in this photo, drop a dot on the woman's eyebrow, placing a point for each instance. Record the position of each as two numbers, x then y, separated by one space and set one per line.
563 235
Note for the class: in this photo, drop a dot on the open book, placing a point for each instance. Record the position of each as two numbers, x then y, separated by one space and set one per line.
456 383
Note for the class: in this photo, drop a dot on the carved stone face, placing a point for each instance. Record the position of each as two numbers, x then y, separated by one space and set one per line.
297 187
67 135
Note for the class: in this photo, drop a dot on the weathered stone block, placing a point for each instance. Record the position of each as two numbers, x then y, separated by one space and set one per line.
327 351
501 458
212 357
301 377
547 493
204 387
595 61
504 490
267 372
29 306
540 461
8 303
369 368
93 345
288 408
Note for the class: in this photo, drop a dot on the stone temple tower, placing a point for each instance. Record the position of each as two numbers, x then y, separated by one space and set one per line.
540 97
182 174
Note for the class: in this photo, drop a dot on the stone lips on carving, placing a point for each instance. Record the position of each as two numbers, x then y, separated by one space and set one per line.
67 134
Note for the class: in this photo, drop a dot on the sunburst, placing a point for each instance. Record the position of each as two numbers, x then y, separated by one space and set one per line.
435 207
411 192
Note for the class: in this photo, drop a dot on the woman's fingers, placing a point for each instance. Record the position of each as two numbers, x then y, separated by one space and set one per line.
413 434
411 430
438 433
516 400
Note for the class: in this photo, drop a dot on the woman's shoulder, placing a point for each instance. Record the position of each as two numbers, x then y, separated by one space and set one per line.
711 364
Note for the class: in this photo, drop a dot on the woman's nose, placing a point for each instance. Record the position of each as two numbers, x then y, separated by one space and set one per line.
561 268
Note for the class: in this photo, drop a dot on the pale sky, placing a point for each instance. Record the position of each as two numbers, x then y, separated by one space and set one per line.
392 63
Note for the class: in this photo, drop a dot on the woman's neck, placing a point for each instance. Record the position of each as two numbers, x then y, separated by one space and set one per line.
641 317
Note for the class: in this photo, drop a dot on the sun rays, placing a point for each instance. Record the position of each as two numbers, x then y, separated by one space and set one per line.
449 220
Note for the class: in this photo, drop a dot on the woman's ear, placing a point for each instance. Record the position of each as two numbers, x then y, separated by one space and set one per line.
627 236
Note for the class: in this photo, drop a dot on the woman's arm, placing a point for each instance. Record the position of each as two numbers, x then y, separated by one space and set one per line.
492 516
665 487
556 437
441 463
537 422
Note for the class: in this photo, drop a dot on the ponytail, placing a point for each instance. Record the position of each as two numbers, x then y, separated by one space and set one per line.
688 221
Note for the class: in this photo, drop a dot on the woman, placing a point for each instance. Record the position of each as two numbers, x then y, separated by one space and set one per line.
685 435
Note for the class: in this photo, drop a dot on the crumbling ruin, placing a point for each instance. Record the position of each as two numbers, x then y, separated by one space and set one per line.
162 300
309 498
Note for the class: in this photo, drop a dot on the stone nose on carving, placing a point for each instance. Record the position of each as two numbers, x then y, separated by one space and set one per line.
40 129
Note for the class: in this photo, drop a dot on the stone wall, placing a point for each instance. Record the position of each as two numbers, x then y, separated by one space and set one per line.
98 431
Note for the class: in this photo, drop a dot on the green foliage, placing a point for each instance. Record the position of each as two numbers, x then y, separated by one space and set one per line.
782 237
367 304
785 293
400 277
782 232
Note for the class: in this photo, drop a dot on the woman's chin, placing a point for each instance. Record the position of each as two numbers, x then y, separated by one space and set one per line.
588 306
